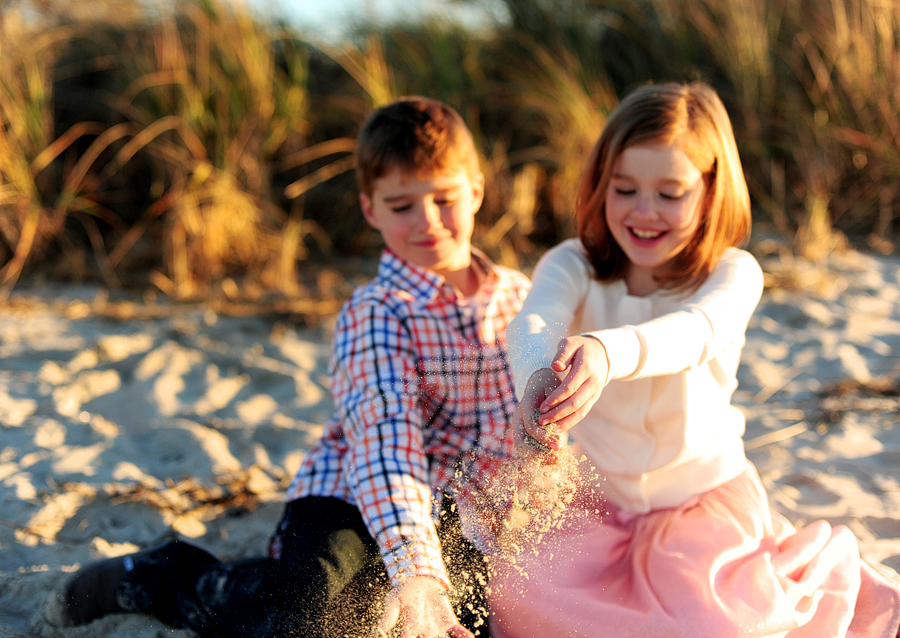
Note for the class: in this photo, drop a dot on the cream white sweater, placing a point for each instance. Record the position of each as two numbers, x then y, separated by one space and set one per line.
664 429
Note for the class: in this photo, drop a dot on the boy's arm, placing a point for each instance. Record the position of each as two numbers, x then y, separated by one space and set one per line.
375 388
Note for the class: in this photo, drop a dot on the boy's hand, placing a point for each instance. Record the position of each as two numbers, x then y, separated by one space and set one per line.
423 609
530 436
588 365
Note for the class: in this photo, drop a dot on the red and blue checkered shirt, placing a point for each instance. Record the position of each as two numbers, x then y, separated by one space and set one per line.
423 398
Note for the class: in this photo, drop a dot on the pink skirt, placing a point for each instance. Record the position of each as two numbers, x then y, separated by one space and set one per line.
721 565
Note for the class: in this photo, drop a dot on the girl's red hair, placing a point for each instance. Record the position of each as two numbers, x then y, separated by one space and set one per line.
693 118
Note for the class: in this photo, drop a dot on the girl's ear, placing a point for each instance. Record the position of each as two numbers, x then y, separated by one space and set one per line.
365 203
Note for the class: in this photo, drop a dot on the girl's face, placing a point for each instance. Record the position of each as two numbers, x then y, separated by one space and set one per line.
652 209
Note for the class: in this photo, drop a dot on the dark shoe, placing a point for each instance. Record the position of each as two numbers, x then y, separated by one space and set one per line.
93 591
150 581
87 594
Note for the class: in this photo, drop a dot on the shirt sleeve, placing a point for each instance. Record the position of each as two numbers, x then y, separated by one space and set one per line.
558 286
375 388
714 316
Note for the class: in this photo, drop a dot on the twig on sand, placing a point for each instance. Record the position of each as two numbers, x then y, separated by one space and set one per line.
776 436
26 530
777 384
127 310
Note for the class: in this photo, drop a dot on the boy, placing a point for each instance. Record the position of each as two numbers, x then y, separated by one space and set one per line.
382 520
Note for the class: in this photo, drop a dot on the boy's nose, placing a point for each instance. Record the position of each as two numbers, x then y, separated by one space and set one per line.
431 214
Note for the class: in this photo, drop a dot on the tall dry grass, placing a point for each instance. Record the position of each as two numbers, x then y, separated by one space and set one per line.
219 100
812 87
38 191
234 136
571 105
26 126
850 60
213 106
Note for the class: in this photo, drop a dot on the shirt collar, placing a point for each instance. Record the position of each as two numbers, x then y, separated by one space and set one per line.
421 282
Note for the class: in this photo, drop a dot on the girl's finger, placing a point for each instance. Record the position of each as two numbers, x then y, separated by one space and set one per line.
564 354
555 416
570 385
541 436
567 423
572 418
563 393
579 403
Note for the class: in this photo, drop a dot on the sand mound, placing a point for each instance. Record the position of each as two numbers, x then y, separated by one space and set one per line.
117 434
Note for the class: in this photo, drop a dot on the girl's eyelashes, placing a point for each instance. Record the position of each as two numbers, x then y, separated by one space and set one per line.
631 191
401 208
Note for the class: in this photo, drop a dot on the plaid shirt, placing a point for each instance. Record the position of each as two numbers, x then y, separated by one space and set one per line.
423 400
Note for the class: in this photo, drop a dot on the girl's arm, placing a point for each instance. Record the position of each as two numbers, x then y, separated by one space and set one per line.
536 340
715 316
559 284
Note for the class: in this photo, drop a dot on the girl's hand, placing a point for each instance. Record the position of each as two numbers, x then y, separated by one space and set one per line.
423 609
588 365
533 439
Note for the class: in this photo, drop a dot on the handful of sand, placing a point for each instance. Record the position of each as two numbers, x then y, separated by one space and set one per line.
543 482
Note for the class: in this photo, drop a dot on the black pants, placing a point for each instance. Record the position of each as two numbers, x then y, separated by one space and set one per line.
328 580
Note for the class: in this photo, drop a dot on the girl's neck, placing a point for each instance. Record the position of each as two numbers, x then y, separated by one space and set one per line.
640 281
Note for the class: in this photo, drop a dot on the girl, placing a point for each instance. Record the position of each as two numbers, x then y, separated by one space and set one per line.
650 305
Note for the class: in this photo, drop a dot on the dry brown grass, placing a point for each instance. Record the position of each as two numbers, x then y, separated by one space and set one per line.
244 130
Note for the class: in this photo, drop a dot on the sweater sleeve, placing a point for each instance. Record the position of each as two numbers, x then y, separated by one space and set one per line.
698 329
558 287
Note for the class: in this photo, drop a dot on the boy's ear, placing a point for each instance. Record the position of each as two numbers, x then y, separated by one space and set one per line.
365 203
478 189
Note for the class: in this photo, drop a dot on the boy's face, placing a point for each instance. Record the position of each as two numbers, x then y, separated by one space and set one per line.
427 219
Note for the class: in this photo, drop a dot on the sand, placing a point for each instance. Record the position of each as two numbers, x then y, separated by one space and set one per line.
117 434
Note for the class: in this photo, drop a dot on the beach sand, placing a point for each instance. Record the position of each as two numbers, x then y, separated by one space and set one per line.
117 434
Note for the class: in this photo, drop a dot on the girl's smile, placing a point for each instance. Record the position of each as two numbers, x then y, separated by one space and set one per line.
646 237
652 209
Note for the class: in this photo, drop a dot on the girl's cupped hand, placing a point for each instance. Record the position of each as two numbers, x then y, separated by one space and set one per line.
586 366
533 439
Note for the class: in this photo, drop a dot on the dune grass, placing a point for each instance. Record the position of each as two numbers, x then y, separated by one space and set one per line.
213 152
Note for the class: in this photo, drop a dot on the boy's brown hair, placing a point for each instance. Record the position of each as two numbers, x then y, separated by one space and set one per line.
415 134
693 118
